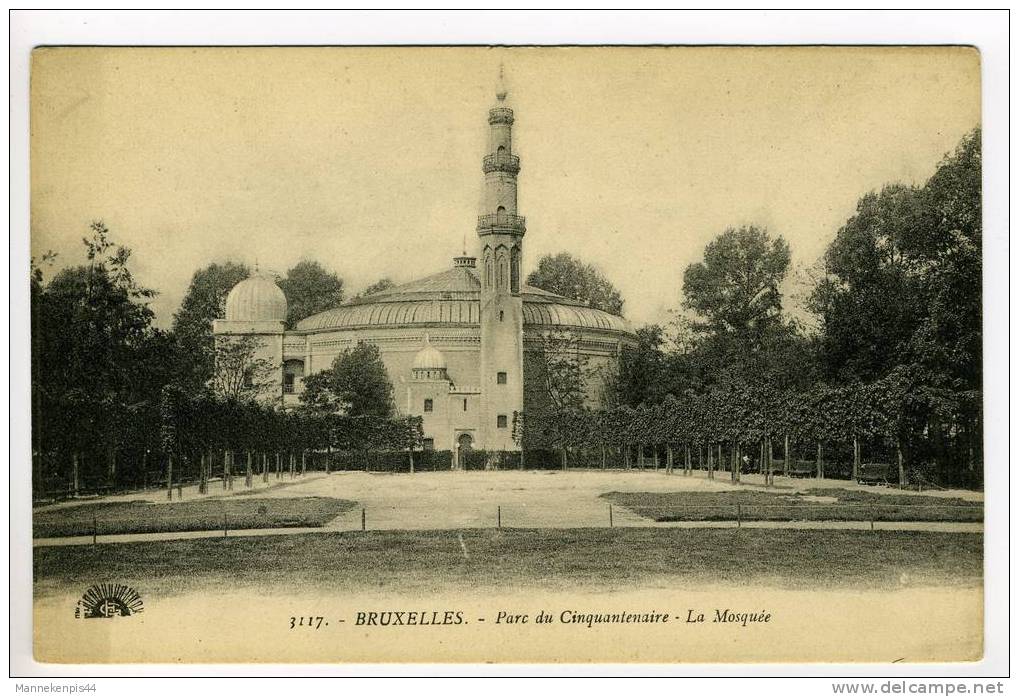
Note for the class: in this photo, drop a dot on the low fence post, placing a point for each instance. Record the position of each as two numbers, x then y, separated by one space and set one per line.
363 520
610 516
498 516
872 517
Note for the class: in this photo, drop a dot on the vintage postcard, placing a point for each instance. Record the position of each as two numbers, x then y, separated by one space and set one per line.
507 355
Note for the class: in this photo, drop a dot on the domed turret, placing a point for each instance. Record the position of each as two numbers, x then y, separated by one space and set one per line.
256 299
429 363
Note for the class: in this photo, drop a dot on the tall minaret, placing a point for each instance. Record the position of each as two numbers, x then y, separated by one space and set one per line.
501 239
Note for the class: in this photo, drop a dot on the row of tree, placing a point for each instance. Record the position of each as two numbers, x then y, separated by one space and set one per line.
892 315
892 417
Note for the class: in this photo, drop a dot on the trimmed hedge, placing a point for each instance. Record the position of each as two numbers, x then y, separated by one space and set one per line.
384 461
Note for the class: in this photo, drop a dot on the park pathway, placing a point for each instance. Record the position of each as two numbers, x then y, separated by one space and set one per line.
511 499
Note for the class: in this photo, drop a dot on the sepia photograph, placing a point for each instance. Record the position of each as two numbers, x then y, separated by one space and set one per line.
506 355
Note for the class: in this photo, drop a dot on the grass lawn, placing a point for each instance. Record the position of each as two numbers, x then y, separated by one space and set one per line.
207 514
761 505
433 560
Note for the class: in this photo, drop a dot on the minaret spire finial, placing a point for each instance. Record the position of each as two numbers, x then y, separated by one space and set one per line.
500 90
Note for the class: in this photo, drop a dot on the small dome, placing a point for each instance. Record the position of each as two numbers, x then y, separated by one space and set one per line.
256 299
429 358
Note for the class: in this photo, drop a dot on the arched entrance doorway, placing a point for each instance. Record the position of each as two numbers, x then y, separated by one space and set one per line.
463 449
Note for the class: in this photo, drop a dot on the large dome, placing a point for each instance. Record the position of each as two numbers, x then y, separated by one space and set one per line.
256 299
453 298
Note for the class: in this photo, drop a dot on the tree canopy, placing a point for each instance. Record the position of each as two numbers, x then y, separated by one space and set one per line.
310 289
383 284
566 275
903 279
355 385
204 301
736 288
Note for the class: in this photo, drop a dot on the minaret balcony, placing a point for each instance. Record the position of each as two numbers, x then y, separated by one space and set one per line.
500 114
501 223
501 162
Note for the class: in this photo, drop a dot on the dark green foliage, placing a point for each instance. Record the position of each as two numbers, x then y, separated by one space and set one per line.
566 275
204 301
903 280
310 289
356 385
735 289
97 367
383 284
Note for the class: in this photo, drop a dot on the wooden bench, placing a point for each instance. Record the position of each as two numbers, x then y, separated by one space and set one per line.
873 473
802 468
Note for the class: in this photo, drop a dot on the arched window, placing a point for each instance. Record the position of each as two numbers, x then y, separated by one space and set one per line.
500 212
501 150
488 268
515 270
502 269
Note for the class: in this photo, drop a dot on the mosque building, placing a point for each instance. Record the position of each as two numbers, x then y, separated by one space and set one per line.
460 346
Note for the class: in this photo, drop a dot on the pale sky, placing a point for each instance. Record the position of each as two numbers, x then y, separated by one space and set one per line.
369 160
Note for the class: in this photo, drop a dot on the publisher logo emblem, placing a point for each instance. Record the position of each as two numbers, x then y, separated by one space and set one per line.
105 600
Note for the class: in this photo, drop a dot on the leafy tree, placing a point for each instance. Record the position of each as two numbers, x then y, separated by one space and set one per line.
310 289
204 301
903 279
868 298
97 363
381 285
355 385
240 372
642 369
560 371
566 275
735 290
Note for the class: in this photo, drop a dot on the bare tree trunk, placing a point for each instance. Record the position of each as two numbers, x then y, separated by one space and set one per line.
75 473
655 451
247 472
169 476
226 468
785 457
820 467
329 457
265 468
763 468
856 458
711 464
111 464
201 474
902 467
669 460
304 463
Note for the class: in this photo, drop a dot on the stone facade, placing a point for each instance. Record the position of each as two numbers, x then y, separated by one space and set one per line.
457 344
